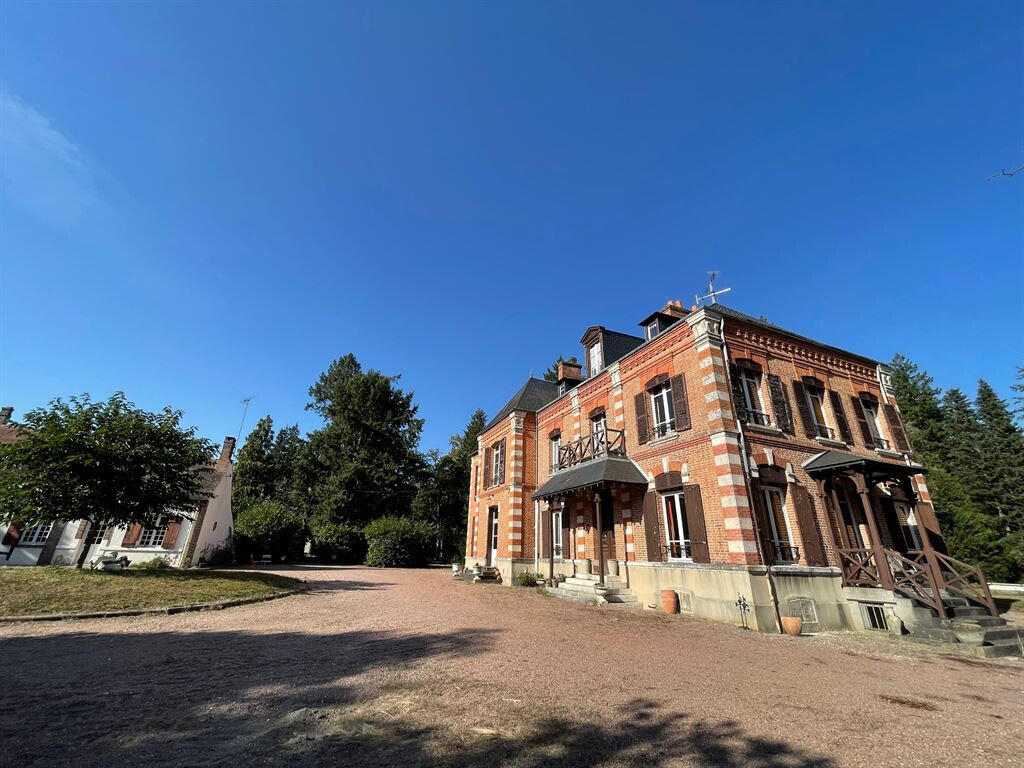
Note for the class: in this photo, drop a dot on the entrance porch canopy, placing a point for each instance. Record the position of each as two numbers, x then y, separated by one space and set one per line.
831 463
605 472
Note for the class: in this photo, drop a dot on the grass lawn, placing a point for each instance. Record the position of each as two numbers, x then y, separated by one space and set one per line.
60 589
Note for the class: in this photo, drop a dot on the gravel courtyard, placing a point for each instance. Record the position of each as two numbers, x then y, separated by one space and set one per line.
393 667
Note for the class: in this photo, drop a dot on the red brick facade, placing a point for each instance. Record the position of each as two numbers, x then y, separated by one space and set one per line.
717 450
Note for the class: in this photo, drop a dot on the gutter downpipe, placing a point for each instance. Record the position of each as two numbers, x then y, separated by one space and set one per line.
750 494
536 503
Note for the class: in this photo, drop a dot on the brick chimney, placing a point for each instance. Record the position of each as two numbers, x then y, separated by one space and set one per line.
225 453
675 308
5 414
570 372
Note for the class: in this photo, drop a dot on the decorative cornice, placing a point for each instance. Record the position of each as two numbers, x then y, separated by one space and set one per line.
803 351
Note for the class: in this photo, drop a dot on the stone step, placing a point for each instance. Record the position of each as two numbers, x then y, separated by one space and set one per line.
944 634
969 610
995 651
591 598
594 583
586 589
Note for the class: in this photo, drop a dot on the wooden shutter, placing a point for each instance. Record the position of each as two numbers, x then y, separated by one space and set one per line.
171 534
13 535
640 406
892 416
501 462
780 404
695 526
83 526
841 422
131 536
800 393
680 403
488 474
545 532
813 551
46 555
862 420
652 527
764 528
739 404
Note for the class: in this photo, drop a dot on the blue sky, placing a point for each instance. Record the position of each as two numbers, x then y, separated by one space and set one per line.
201 202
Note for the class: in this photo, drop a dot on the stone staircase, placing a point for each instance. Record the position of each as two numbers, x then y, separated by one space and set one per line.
969 624
584 588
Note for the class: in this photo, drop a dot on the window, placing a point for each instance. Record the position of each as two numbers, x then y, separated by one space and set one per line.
652 330
870 407
677 544
595 360
153 536
37 534
663 410
556 531
816 405
498 463
874 616
750 392
849 521
556 444
778 520
95 535
909 523
599 433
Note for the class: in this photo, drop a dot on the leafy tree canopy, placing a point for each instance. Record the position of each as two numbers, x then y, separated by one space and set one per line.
102 461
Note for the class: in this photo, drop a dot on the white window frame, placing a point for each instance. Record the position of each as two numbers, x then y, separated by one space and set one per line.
595 358
556 445
497 462
768 491
37 534
874 423
815 395
750 386
148 537
664 394
683 543
903 510
652 330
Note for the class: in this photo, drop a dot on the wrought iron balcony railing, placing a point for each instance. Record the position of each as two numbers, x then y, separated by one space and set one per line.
610 442
784 553
679 550
760 418
826 432
881 444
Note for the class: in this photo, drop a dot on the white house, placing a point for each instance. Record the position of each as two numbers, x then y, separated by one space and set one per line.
181 542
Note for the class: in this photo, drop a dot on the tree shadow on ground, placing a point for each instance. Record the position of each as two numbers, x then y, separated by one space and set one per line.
349 699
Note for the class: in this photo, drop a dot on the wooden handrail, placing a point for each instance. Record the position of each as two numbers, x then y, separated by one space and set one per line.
610 442
965 580
912 577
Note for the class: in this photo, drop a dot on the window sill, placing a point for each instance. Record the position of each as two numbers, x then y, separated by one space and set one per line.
831 443
888 454
668 437
762 428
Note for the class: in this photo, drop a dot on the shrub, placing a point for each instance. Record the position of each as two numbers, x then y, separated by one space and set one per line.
218 555
527 579
269 526
398 542
338 542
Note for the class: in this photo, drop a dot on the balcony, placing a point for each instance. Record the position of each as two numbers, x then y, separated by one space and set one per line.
758 418
610 442
826 433
881 444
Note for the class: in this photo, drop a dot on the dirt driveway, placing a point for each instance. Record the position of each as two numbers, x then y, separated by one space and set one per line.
390 667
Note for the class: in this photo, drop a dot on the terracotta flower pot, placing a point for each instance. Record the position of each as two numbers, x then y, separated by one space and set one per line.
669 601
792 625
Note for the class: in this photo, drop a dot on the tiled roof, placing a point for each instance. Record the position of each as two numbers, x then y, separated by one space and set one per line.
608 470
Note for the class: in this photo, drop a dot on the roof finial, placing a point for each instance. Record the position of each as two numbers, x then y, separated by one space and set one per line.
712 293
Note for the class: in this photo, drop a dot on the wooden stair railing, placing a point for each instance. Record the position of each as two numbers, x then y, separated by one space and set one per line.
965 580
859 568
913 577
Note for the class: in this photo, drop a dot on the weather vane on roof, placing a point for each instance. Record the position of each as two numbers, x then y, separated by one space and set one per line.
712 293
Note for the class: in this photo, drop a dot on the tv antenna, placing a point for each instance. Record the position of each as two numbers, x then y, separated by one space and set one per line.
712 293
245 402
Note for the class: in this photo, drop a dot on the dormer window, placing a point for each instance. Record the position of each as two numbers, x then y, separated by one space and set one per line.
652 330
595 359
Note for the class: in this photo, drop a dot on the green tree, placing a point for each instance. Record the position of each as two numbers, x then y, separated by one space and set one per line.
366 455
1018 399
254 477
286 460
268 526
1001 445
442 501
105 462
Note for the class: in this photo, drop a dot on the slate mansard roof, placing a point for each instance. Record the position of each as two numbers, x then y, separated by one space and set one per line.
532 396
